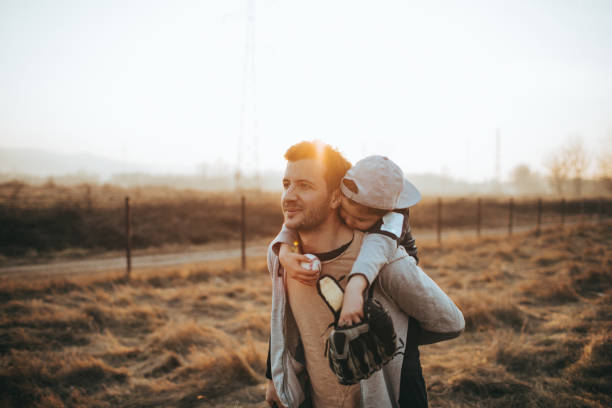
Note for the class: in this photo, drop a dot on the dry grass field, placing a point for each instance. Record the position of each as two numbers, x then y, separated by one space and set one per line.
538 315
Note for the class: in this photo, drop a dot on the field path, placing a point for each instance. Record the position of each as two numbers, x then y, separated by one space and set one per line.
71 267
94 265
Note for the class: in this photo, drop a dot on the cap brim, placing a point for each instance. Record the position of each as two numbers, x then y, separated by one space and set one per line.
409 196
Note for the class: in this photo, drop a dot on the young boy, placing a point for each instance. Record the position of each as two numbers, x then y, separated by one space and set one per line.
378 207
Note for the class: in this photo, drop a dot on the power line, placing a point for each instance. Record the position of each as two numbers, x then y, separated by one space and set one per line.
498 157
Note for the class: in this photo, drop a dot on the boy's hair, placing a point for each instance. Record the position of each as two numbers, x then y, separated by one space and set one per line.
350 184
334 164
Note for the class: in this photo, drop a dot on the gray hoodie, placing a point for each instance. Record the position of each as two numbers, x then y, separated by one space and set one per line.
402 288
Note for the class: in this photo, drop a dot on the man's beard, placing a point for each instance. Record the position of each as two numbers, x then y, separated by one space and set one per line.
313 217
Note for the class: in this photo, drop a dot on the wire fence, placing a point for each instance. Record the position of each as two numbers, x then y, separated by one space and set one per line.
480 214
40 219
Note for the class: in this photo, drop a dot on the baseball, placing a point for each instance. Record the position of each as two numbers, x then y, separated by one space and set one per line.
313 265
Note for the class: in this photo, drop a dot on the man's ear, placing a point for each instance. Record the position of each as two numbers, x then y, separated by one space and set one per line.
336 199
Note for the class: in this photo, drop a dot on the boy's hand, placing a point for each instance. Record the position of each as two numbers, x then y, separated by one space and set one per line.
352 305
291 263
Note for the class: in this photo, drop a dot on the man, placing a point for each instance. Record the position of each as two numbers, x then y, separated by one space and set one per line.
299 373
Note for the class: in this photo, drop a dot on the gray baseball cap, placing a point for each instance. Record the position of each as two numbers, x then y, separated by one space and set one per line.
380 184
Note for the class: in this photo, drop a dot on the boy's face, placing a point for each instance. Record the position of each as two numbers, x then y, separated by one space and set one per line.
357 216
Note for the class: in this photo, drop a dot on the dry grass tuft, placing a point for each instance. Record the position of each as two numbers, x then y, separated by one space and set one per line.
169 362
123 321
491 313
185 337
592 370
520 357
488 383
549 257
32 379
553 290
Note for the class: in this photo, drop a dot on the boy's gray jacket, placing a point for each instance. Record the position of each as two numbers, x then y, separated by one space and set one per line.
402 288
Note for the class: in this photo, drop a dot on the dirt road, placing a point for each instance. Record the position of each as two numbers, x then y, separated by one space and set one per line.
60 268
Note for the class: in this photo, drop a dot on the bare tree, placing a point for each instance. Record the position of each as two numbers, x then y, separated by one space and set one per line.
604 160
557 172
577 160
569 162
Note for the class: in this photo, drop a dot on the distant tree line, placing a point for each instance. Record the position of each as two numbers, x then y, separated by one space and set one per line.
570 171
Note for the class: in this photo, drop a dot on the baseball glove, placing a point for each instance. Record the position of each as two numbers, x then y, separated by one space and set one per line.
355 352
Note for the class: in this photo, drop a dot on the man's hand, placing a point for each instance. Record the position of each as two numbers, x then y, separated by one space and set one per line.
291 263
271 396
352 304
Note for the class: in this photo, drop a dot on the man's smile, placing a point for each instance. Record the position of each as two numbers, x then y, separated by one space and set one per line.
292 210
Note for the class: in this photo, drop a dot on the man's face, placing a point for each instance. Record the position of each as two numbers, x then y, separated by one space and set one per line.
306 202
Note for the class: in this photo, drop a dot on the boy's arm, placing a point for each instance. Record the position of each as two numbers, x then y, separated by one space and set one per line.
377 249
378 246
407 240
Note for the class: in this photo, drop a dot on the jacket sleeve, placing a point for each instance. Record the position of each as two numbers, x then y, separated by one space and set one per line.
271 261
285 236
268 365
420 297
421 337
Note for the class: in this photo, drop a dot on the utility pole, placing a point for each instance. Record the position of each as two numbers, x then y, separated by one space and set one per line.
128 238
248 143
498 160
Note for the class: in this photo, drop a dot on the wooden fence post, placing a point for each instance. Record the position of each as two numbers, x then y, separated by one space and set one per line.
88 204
439 226
478 217
243 232
539 216
128 236
562 212
510 214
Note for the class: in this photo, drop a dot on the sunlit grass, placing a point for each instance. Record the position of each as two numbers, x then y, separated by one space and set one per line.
537 308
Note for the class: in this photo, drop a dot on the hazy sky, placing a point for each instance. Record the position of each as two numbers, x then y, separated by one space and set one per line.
425 82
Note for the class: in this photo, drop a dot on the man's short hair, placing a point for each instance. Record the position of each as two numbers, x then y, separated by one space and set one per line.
334 164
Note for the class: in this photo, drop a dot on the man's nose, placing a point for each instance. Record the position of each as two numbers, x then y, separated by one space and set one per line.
289 194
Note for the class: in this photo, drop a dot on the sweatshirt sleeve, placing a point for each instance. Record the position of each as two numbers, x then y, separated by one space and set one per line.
420 297
285 236
376 251
378 246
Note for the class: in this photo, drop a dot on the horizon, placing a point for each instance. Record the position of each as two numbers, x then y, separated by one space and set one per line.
527 182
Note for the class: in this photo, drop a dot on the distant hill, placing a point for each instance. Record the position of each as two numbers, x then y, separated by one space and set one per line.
42 163
36 165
